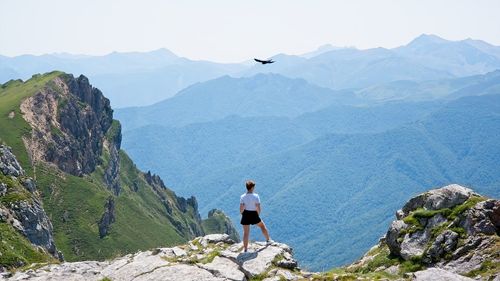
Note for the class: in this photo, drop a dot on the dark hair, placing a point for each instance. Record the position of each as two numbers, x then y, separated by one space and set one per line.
250 184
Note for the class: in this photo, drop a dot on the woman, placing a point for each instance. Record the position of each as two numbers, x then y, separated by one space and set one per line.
250 211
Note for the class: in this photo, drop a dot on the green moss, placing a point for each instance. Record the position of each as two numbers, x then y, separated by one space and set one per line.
412 265
210 257
381 257
259 277
459 209
460 231
488 267
56 131
12 197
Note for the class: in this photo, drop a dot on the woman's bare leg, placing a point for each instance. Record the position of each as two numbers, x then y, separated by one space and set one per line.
263 227
246 234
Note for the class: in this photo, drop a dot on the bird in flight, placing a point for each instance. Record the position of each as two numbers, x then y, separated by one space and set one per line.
264 61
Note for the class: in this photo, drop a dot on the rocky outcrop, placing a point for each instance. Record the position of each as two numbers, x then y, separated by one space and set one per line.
8 163
21 205
69 119
451 230
187 206
211 258
107 218
218 222
112 145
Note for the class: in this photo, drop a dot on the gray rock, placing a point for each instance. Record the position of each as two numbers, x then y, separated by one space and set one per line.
258 259
483 218
445 197
445 243
8 163
394 269
415 244
30 185
287 263
473 257
35 224
3 189
392 236
178 272
224 268
437 274
287 275
215 238
107 218
112 172
178 252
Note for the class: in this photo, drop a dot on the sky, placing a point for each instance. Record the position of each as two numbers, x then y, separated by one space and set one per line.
233 30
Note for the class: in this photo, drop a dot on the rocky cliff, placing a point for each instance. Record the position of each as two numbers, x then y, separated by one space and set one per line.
95 201
21 208
449 233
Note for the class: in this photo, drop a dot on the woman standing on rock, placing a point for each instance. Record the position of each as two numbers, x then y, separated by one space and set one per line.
250 211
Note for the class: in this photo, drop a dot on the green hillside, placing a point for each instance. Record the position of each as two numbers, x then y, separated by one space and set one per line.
13 127
145 213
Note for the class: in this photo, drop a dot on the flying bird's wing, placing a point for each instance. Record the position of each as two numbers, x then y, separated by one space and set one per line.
264 61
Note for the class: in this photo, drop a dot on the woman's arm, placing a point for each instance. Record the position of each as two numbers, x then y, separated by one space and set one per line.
242 208
257 207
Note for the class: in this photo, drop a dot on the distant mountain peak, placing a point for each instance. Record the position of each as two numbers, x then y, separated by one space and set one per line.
323 49
428 39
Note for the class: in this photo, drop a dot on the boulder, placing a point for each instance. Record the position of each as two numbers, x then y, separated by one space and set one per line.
393 234
437 274
215 238
445 197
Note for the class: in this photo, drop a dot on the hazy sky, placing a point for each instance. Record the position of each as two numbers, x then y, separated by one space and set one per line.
232 30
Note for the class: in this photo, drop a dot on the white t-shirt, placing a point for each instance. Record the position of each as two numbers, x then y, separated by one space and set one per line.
250 200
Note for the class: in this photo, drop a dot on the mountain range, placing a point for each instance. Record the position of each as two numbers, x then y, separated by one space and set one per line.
338 136
127 78
343 167
140 79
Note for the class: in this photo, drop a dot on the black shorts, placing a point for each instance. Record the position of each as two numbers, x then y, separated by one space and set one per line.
250 217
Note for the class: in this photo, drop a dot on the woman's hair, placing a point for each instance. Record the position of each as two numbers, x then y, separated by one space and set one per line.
250 184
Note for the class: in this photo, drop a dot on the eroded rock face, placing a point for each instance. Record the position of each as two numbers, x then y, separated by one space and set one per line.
452 228
8 163
69 119
26 214
107 218
220 259
483 218
445 197
112 172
